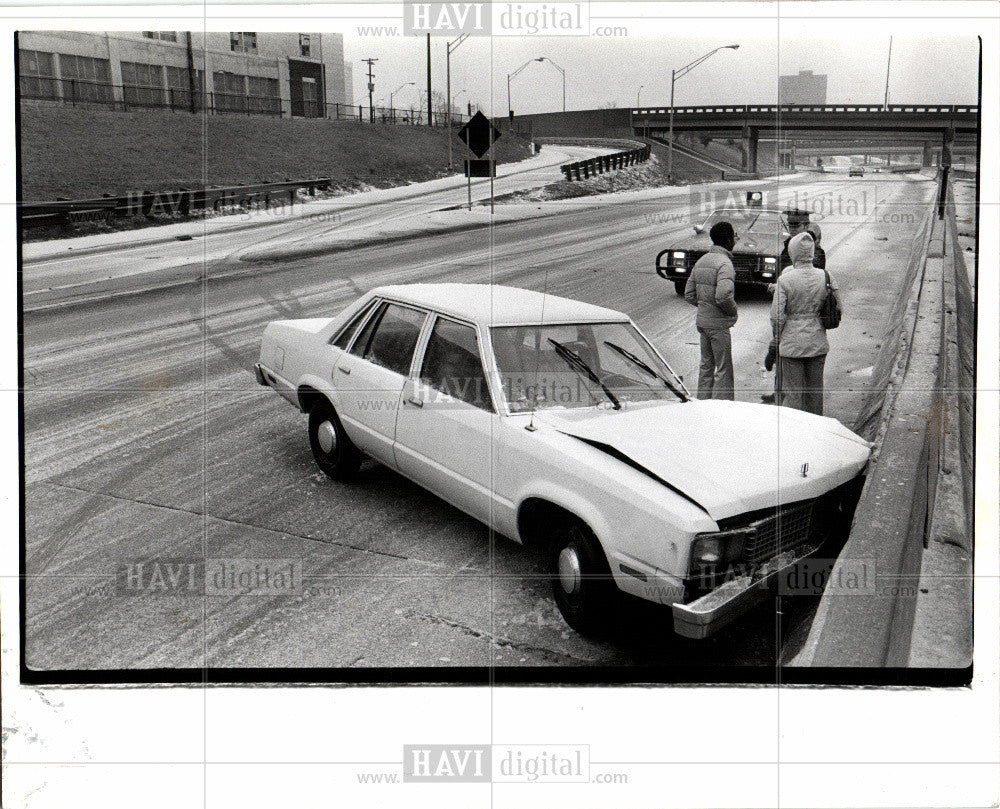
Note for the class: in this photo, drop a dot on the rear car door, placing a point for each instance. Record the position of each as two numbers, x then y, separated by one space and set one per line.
369 377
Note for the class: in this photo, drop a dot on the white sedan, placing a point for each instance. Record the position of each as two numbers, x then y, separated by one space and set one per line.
559 425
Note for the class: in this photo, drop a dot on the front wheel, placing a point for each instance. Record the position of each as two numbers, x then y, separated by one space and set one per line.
334 452
582 584
679 287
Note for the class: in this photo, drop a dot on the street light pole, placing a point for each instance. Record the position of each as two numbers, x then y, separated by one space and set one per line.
391 108
674 76
510 110
638 93
452 46
547 59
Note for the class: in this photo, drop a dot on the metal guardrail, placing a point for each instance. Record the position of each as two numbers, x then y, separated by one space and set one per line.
64 213
582 169
892 109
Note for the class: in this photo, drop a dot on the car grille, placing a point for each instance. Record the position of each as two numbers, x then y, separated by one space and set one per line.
744 265
779 532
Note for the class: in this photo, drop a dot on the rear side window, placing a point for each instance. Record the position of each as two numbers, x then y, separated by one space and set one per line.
389 338
344 338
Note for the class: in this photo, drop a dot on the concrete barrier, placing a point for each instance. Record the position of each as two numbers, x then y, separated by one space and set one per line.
872 626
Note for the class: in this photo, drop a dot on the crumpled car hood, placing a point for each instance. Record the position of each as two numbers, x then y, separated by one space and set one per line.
728 457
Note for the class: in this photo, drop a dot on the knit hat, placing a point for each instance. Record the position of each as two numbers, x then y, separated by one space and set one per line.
800 249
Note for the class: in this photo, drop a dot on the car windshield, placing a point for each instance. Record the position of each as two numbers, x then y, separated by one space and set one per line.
580 365
746 221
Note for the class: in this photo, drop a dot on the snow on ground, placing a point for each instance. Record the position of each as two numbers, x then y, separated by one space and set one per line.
533 168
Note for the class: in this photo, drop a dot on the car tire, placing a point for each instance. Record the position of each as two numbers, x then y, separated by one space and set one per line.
333 450
679 287
582 584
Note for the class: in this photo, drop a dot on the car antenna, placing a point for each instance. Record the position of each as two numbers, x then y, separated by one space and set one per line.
538 349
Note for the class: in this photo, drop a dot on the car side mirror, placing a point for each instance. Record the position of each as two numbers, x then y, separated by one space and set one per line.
699 229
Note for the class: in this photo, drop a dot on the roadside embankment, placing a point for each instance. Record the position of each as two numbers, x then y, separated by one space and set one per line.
162 151
909 553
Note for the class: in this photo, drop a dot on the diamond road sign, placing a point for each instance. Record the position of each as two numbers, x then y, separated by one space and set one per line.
477 133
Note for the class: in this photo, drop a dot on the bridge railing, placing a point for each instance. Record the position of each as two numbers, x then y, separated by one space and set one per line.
892 109
583 169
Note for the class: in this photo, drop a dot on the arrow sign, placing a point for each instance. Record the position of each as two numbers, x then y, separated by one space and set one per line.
477 134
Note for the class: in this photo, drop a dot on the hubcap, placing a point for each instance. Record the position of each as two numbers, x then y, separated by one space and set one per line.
327 437
569 571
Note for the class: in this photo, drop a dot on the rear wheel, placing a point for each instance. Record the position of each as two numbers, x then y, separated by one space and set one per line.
334 452
582 584
679 287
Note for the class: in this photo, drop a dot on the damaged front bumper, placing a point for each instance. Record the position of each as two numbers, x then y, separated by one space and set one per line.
723 605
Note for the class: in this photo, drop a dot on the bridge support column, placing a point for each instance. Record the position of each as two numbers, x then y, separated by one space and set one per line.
927 158
749 149
946 143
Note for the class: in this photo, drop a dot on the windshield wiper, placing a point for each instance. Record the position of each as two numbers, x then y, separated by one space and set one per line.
573 360
642 365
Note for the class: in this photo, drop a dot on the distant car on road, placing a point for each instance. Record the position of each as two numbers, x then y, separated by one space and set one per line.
855 171
762 233
558 424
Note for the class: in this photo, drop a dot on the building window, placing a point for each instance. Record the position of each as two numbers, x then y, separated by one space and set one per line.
38 78
179 86
143 85
85 78
166 36
264 97
230 92
304 45
243 41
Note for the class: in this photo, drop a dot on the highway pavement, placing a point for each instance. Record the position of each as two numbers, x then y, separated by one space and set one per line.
147 440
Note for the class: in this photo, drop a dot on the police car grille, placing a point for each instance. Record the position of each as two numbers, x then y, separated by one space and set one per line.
744 267
779 532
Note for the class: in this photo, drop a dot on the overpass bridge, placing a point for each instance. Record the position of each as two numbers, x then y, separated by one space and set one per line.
932 127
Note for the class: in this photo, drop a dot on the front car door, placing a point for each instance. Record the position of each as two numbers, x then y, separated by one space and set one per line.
369 378
447 420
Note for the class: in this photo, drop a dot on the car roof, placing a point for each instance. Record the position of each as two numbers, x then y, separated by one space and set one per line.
495 305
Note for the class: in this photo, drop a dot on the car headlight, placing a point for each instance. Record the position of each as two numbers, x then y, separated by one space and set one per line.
679 254
716 549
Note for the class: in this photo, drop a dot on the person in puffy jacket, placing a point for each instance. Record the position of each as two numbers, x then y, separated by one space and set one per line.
801 338
711 288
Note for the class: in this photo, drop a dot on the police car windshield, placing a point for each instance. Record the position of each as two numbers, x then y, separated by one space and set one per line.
743 221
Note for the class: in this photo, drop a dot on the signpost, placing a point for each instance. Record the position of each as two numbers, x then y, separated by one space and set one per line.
480 135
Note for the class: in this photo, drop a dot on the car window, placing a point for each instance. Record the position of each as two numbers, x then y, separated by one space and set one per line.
364 339
451 364
343 339
389 338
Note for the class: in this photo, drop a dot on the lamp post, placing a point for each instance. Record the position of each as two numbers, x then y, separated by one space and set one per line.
510 110
674 76
638 93
407 84
452 46
546 59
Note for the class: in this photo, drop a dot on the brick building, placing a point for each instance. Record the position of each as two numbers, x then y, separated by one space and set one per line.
286 74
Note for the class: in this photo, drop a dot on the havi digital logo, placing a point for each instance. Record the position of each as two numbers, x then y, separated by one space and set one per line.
446 18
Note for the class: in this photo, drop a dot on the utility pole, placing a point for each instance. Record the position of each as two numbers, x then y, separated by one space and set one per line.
371 89
430 115
192 76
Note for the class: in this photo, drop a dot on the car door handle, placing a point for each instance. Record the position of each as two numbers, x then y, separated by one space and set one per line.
344 370
414 402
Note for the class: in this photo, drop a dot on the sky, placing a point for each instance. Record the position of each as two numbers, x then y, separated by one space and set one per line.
609 71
